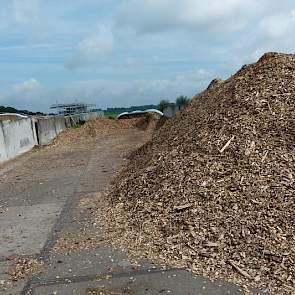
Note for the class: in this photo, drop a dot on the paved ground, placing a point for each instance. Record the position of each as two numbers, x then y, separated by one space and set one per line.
45 198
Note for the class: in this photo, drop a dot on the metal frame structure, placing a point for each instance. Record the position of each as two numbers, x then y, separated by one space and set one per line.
71 108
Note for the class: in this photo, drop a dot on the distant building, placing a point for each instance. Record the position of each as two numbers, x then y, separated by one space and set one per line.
71 108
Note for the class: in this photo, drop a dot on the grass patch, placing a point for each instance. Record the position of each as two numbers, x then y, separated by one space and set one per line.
111 115
76 126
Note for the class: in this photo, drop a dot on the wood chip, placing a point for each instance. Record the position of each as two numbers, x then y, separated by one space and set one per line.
183 207
227 144
239 270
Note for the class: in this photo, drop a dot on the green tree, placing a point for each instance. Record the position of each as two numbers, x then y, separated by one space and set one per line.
182 100
163 104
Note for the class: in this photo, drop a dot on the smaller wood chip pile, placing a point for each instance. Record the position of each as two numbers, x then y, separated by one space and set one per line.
214 190
104 127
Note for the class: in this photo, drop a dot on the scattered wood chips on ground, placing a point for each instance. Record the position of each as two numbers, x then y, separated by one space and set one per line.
24 268
214 190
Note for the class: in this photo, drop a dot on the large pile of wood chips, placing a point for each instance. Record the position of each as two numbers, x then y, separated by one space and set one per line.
214 190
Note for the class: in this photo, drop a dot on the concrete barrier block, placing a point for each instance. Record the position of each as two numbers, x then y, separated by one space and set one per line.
75 119
60 124
46 130
68 122
3 154
16 138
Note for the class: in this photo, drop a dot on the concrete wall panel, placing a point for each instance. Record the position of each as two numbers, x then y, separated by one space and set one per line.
49 128
17 138
46 130
3 154
60 124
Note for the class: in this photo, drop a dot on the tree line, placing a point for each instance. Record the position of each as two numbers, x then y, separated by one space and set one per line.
12 110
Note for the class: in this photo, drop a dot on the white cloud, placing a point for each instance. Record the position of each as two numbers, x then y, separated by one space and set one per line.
25 11
275 33
161 15
278 25
26 86
94 49
28 94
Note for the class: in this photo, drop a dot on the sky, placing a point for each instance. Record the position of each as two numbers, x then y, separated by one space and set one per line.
131 52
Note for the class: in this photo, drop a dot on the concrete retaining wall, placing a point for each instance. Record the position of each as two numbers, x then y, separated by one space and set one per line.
3 154
48 128
171 110
16 138
20 136
93 116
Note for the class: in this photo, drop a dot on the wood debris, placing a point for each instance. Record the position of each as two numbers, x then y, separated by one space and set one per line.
242 272
183 207
241 197
24 268
227 144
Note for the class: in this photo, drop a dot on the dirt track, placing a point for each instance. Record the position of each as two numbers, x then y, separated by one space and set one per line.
46 204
